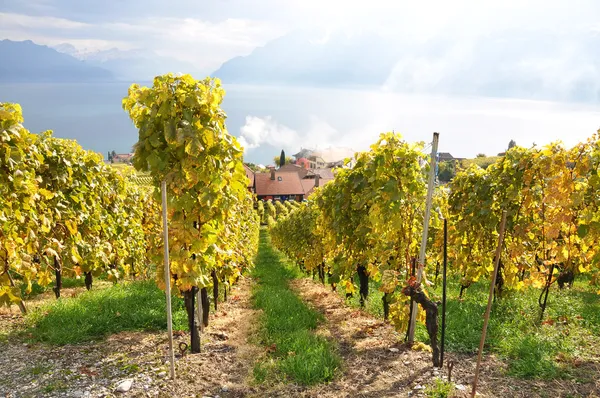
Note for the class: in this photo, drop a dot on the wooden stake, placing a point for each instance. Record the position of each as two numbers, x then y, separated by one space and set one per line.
168 277
415 306
490 298
199 312
444 293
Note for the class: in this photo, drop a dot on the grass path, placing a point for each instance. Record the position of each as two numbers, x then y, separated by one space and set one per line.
287 325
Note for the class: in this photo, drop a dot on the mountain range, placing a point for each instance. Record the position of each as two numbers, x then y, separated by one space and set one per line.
26 62
525 64
304 58
539 65
129 65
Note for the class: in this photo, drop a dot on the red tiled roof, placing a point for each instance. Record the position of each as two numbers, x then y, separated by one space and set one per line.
324 173
289 185
308 184
293 168
250 175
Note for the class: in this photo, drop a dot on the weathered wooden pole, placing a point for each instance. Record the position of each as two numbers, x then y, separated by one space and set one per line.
444 292
490 299
168 278
415 307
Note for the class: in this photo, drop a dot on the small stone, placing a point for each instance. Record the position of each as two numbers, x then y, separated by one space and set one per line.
224 388
394 349
220 335
78 394
162 374
419 387
406 363
124 386
461 387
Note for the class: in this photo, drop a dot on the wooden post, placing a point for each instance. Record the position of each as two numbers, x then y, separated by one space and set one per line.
168 277
415 306
199 311
490 298
444 293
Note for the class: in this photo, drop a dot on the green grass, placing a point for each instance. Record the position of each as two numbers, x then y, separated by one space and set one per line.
98 313
37 289
55 386
287 325
514 332
440 389
39 369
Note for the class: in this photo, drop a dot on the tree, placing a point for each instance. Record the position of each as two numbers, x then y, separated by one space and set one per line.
447 170
481 155
282 158
511 144
277 160
253 167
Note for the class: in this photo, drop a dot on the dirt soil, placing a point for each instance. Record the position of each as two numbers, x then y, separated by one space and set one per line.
96 369
376 363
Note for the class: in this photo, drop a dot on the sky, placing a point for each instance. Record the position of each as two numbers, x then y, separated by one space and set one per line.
210 32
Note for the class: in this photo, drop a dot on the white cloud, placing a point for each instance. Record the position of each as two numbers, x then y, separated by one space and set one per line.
265 131
466 125
259 131
210 33
10 21
205 44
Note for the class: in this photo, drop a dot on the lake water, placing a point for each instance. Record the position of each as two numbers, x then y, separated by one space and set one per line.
272 118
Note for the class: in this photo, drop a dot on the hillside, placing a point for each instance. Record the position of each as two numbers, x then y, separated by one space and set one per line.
25 61
510 64
129 65
305 58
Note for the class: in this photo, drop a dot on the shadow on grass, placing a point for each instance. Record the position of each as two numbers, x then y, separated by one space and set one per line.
533 350
96 314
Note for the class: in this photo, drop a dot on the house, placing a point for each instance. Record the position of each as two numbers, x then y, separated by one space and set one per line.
446 157
294 168
278 185
122 158
250 175
324 158
309 184
303 162
329 157
304 153
326 173
287 183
